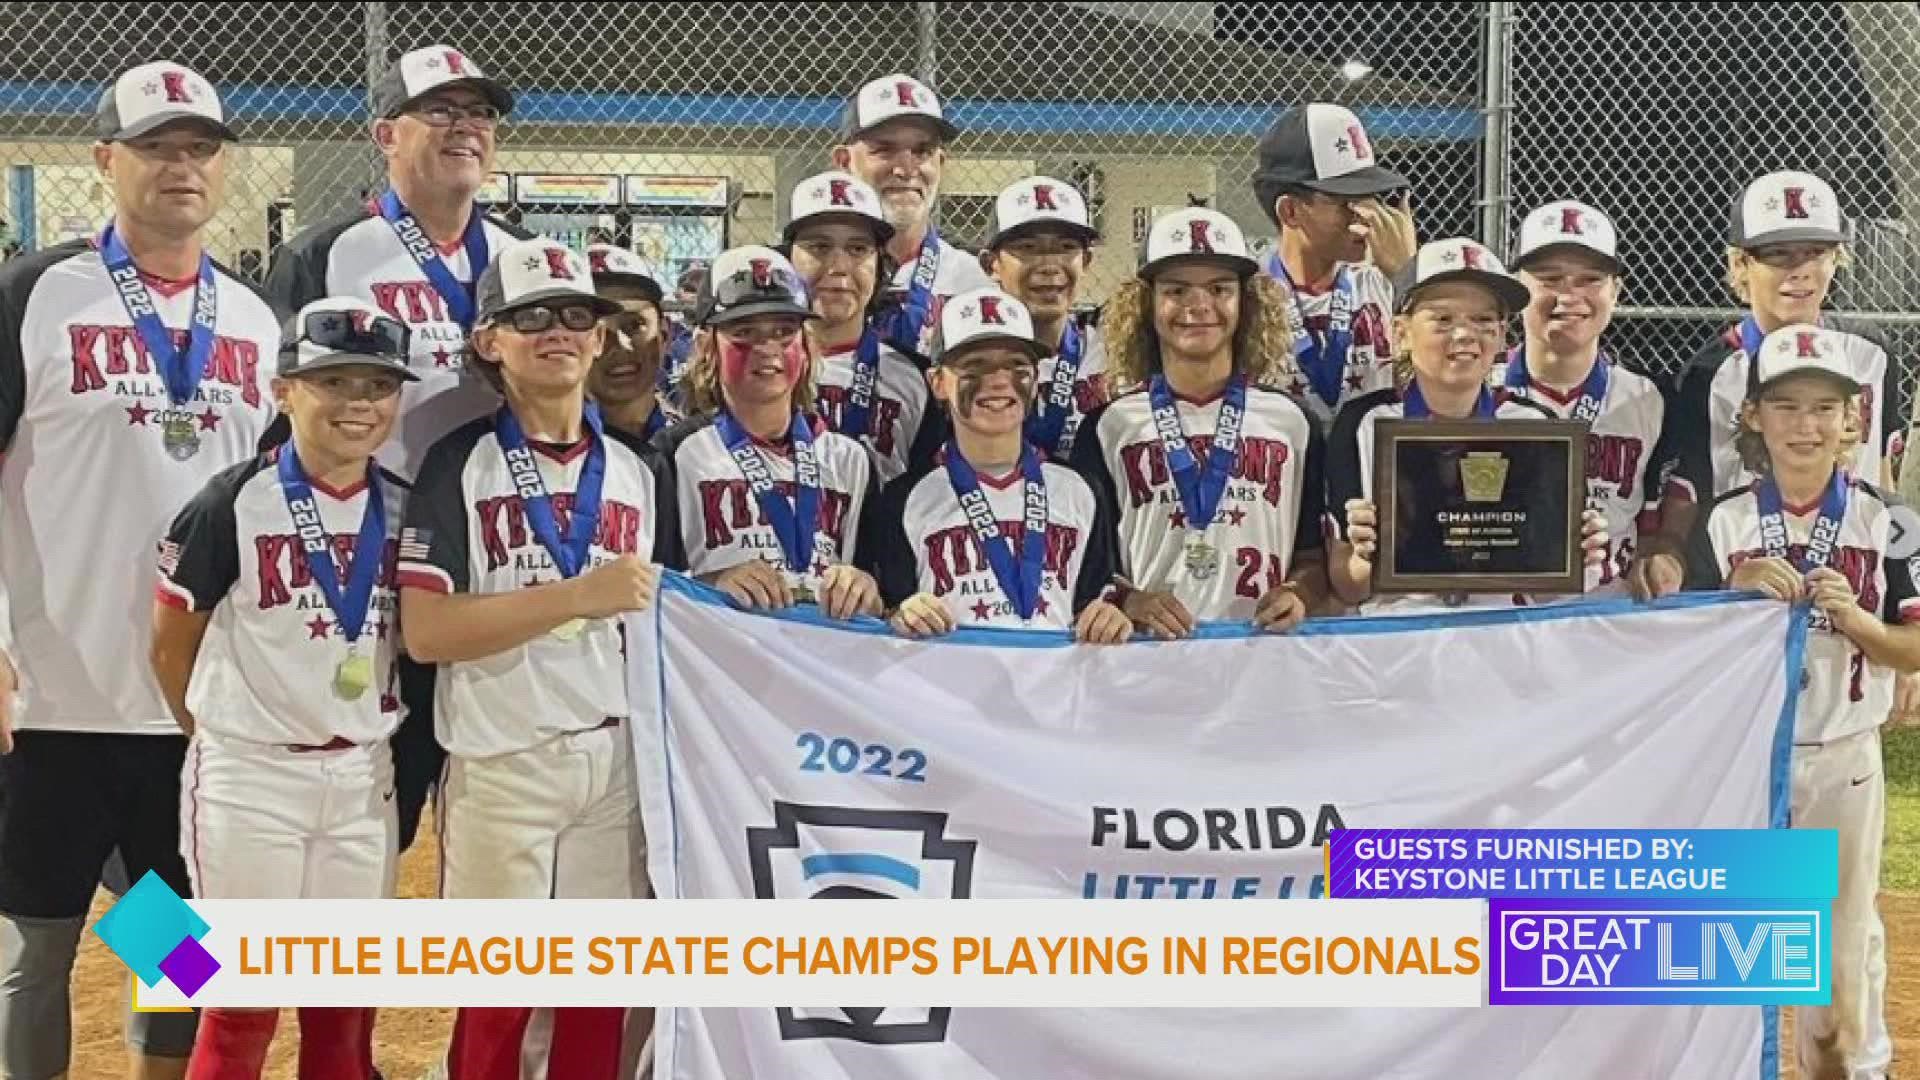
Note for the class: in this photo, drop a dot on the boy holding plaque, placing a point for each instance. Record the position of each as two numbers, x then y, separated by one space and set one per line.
274 642
991 533
1454 302
770 499
1807 529
1211 475
530 532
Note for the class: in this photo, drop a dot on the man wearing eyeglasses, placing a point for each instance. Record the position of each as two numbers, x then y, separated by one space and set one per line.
133 368
415 251
894 136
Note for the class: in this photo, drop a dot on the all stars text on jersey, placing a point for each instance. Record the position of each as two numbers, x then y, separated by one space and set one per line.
728 507
1263 462
103 352
504 531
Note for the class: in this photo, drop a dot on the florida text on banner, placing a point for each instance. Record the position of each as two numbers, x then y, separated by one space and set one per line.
794 759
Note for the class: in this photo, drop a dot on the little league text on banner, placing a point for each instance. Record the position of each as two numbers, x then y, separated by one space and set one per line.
783 758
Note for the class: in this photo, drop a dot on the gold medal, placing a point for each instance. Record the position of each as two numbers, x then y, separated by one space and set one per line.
803 595
1202 559
180 437
353 676
569 630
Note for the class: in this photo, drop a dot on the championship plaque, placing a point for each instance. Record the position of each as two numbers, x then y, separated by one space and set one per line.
1479 506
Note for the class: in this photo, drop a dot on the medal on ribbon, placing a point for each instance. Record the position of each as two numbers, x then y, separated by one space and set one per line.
1047 427
856 417
1826 526
458 297
180 368
1593 393
1022 576
353 675
1201 487
1324 362
571 553
909 325
794 521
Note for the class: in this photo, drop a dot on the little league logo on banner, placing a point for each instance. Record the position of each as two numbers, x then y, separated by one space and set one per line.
793 759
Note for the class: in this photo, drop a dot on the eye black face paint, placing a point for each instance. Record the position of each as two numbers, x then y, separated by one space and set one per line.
974 376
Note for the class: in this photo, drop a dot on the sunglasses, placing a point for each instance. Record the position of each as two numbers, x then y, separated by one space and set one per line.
354 332
541 318
761 283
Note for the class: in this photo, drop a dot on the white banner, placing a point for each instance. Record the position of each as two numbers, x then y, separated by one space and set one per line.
790 758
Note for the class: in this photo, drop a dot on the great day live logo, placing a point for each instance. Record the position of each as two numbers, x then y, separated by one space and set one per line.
156 934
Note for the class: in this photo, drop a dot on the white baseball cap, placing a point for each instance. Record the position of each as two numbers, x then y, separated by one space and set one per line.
1196 233
892 97
1038 203
422 71
1567 224
537 271
343 331
1789 206
835 194
1457 259
986 317
152 95
1802 349
751 280
611 264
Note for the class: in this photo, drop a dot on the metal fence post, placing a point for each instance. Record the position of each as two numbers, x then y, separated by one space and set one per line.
1496 111
376 48
927 61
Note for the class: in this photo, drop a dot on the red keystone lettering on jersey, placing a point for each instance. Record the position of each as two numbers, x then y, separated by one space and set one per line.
412 302
284 569
728 507
839 193
557 267
1262 461
1362 149
1090 393
1614 459
1570 221
1859 565
175 83
1043 197
885 419
956 553
103 351
503 527
1796 202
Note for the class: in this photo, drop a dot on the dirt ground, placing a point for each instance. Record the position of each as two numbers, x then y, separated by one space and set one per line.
407 1042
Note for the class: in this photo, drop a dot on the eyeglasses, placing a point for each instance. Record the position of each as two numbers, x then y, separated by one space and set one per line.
443 114
354 332
542 317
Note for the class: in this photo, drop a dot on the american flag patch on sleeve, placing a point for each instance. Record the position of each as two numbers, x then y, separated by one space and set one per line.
415 544
169 557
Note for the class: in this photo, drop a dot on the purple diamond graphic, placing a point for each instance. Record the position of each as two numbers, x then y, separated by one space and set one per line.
190 966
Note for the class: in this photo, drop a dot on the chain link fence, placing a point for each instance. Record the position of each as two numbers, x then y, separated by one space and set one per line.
678 129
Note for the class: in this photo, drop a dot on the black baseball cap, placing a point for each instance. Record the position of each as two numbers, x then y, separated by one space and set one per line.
423 71
343 331
1320 147
151 96
749 281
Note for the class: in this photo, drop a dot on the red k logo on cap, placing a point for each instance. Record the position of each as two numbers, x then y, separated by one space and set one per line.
362 320
1808 344
456 64
597 261
1470 256
1361 148
1570 221
1796 202
762 270
176 86
1197 239
990 311
904 92
557 267
1043 197
838 193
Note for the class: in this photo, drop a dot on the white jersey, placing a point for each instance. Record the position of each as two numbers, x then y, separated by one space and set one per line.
358 254
955 272
1369 365
919 541
1843 692
1715 383
1627 462
1090 389
265 669
467 532
722 524
97 462
902 411
1350 476
1268 516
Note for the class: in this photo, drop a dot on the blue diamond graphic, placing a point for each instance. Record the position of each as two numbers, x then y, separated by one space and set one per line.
147 925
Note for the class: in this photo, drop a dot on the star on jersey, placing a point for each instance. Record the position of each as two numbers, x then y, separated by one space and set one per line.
1179 519
319 628
1236 516
982 611
209 420
137 414
442 358
1354 382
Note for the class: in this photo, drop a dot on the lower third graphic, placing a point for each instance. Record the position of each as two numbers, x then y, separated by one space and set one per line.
156 934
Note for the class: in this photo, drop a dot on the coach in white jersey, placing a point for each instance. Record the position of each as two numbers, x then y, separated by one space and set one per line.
1211 475
528 534
1789 240
132 368
894 135
992 534
1042 246
869 390
1808 530
770 499
1569 259
1321 185
1455 301
415 251
274 639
